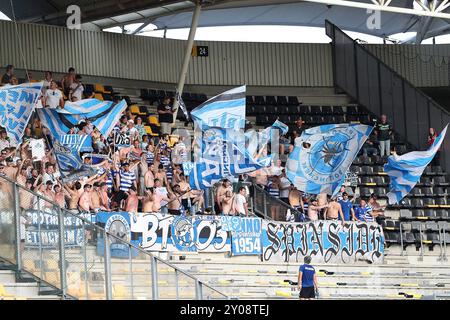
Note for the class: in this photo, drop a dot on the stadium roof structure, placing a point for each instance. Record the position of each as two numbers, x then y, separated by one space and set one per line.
426 18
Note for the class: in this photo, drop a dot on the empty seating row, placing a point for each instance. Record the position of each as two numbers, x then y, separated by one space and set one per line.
153 94
408 238
266 118
427 214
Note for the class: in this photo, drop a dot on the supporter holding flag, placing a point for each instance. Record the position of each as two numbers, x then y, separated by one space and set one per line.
405 170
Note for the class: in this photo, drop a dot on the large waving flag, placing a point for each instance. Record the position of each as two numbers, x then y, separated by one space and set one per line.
405 170
16 106
70 164
223 155
255 141
226 110
103 114
322 156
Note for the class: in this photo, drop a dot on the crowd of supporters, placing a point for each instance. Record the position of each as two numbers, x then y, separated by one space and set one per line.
147 175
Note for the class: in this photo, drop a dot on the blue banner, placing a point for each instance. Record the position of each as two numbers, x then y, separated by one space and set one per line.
245 234
81 143
118 224
16 106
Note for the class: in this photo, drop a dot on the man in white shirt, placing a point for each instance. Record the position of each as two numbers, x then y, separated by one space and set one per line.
76 89
240 202
50 174
53 97
285 187
162 193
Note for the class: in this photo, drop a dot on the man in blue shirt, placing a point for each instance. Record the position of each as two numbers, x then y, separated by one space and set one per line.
347 208
307 280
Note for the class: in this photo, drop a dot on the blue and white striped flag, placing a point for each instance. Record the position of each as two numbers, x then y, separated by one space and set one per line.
405 170
103 114
17 103
322 156
226 110
223 155
256 141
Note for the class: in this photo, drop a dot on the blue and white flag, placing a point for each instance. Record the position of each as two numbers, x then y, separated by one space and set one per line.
226 110
81 143
280 125
222 156
17 103
103 114
405 170
256 141
70 164
322 156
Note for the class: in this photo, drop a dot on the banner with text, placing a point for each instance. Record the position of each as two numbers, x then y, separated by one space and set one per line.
324 241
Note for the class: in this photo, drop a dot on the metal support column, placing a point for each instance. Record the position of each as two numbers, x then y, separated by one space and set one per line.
107 254
187 55
401 237
17 214
130 262
177 287
198 290
155 294
85 263
62 255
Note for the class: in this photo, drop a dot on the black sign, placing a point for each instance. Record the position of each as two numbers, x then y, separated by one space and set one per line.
200 51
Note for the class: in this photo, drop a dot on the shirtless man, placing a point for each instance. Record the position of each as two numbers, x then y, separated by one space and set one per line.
334 210
23 176
85 202
148 202
161 175
220 193
74 195
132 202
48 192
104 198
197 201
149 178
11 171
322 199
227 203
95 197
174 204
26 198
295 199
313 209
59 196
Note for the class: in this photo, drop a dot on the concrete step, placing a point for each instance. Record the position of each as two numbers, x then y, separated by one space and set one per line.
7 276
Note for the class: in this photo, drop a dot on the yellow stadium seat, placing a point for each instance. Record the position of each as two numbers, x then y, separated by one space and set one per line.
29 265
52 264
119 291
3 292
99 88
153 120
283 294
98 96
134 109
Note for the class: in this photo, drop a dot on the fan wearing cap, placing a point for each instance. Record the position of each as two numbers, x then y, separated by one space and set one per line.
132 131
